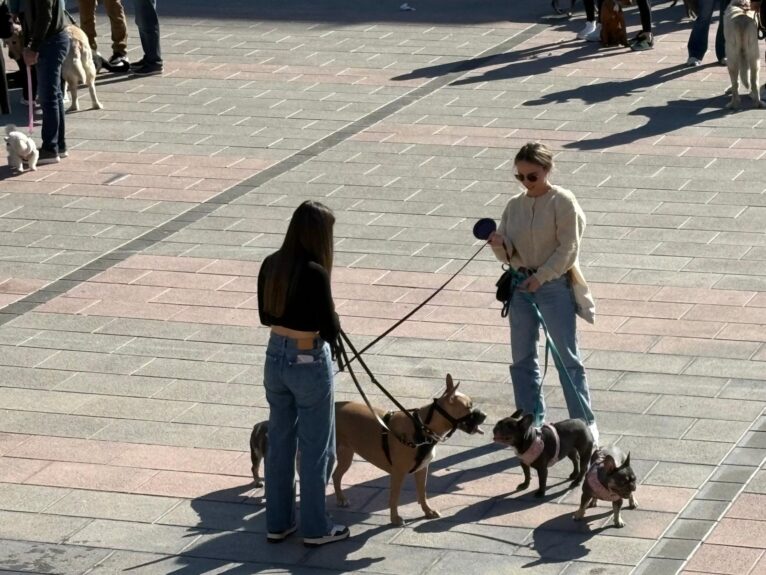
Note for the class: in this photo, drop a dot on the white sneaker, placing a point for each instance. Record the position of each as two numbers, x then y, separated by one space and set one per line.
594 432
594 36
693 62
337 533
588 29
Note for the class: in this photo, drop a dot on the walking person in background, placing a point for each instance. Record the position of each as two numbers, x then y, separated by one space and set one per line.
149 30
295 300
698 38
46 46
540 233
116 14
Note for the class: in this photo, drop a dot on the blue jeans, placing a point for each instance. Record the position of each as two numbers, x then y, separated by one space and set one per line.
52 52
697 44
299 389
556 303
149 30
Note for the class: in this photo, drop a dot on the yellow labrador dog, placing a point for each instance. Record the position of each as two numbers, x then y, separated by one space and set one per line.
742 58
78 67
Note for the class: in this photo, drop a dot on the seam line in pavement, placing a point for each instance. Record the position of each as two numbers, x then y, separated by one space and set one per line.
199 211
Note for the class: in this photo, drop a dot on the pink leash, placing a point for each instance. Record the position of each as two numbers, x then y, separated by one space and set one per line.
30 101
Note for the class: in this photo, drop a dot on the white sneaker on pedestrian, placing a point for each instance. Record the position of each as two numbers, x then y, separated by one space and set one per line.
588 29
693 62
594 36
594 432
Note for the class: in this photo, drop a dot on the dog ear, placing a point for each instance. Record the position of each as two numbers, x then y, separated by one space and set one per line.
516 414
626 463
609 464
527 421
451 387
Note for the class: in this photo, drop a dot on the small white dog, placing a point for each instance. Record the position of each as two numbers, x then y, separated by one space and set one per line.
21 148
741 32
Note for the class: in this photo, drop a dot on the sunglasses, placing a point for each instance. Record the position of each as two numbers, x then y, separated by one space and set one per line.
531 178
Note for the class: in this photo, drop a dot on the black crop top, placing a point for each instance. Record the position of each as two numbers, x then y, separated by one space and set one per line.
309 305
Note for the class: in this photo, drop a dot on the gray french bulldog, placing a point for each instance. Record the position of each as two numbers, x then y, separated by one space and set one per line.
541 448
609 478
259 441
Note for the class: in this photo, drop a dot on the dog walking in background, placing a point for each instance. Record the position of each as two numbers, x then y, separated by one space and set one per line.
742 54
613 32
78 67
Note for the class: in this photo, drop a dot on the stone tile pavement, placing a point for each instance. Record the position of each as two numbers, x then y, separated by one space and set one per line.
131 350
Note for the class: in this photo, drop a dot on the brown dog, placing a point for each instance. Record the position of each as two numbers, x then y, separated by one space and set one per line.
613 31
358 431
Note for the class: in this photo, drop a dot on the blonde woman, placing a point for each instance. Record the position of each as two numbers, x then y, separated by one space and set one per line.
540 231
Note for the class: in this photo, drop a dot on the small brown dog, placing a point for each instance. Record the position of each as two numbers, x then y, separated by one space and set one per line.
613 31
358 431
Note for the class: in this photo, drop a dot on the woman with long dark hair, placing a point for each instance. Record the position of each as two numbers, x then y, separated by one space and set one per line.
295 300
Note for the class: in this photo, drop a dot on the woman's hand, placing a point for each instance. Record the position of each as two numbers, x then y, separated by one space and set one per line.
30 57
496 240
531 284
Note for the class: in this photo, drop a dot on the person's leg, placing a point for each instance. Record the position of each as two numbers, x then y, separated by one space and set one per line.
698 38
720 41
590 19
88 21
525 370
280 456
644 40
149 30
51 56
116 13
557 305
312 384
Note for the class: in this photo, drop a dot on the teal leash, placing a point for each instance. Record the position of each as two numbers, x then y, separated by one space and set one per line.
516 280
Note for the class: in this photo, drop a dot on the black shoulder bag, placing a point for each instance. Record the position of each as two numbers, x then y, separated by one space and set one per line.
504 285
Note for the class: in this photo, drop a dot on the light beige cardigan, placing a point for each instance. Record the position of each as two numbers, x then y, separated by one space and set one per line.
544 233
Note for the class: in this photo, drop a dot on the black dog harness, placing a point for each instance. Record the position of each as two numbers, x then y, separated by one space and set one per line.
424 440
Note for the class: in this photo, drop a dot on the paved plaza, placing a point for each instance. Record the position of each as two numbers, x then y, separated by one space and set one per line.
131 360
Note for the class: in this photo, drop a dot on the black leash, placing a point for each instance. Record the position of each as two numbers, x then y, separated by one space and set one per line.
357 354
421 430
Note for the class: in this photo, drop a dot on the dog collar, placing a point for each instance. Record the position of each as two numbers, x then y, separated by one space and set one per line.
600 491
538 445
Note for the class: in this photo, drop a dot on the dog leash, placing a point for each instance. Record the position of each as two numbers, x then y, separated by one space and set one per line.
516 280
412 312
421 429
30 102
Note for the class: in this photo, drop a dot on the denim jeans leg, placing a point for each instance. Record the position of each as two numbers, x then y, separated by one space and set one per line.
525 368
312 386
280 457
697 44
149 30
556 303
51 57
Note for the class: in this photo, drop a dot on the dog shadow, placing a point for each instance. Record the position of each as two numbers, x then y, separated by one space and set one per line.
561 539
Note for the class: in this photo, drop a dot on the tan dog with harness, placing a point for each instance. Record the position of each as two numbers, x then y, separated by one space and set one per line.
404 449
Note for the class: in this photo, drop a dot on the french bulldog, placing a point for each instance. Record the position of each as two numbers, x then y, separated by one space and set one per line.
395 452
543 447
609 478
259 441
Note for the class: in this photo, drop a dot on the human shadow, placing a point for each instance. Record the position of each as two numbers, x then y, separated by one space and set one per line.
612 89
662 119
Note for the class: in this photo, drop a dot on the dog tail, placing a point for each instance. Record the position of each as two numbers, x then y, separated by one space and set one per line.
77 53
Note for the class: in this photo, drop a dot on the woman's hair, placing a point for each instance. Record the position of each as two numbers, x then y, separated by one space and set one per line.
308 237
535 153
